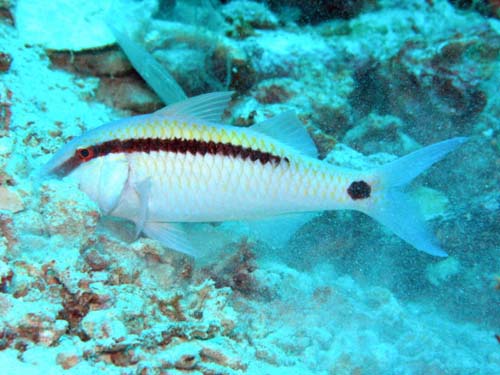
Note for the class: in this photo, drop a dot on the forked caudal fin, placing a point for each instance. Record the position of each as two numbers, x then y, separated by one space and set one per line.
395 209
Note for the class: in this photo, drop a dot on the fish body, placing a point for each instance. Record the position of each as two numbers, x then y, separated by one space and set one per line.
179 165
222 173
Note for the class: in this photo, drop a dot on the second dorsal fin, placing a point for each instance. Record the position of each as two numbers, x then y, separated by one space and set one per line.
208 107
287 128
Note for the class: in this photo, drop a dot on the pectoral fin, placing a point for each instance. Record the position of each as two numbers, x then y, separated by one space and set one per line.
143 189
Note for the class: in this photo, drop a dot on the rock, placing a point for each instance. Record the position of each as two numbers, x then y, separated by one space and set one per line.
199 61
8 235
68 211
332 114
376 133
441 272
346 157
5 61
129 93
5 118
6 11
109 61
67 360
485 7
324 142
97 259
232 67
246 16
424 85
433 203
6 275
274 91
6 147
63 25
104 326
34 321
222 353
10 200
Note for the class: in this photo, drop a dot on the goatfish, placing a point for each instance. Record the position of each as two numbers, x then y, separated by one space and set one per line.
182 165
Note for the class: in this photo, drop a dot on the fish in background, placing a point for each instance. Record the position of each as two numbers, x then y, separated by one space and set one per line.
181 165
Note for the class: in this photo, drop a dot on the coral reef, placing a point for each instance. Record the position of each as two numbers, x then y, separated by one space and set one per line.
6 11
245 17
236 272
486 7
91 322
5 61
77 295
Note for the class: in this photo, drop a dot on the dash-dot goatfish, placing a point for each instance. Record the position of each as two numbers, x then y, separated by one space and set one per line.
181 165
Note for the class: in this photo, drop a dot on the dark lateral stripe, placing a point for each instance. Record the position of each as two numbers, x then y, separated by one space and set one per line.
175 145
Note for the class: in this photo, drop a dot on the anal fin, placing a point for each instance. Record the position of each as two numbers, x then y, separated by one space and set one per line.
278 230
171 235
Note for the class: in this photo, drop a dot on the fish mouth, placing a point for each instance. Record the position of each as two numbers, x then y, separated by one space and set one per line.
56 165
46 172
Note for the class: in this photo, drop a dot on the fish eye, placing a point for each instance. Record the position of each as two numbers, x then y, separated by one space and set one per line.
85 154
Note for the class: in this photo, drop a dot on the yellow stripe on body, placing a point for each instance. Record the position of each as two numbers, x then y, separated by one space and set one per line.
302 178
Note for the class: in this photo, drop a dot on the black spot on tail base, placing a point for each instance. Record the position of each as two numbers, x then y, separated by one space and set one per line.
359 190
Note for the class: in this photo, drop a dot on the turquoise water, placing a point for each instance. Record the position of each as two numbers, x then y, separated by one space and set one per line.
370 80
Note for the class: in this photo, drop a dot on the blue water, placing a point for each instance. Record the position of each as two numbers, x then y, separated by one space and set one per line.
371 81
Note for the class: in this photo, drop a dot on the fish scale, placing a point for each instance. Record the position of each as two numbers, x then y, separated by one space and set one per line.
260 188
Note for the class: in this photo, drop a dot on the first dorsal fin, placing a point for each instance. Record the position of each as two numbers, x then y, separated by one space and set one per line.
208 107
288 129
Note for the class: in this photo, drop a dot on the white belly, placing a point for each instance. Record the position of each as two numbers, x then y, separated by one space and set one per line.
196 188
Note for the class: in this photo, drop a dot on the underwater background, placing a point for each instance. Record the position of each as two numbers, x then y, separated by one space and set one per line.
370 79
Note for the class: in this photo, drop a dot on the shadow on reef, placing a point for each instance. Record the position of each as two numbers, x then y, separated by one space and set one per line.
316 11
423 85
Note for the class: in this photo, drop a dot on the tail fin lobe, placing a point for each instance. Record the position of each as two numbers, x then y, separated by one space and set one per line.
395 209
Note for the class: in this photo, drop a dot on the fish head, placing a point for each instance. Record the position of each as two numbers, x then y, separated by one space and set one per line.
102 176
